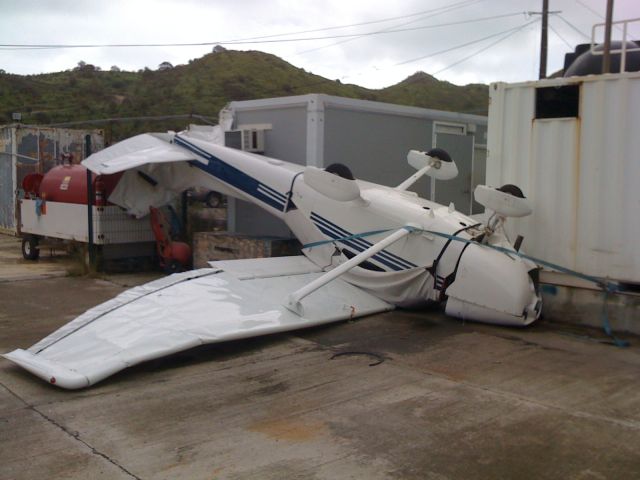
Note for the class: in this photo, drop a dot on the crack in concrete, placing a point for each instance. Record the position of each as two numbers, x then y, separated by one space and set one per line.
74 435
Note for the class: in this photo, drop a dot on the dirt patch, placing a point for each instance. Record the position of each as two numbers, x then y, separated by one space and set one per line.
290 430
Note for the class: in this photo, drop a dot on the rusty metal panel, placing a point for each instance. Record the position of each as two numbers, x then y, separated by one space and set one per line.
7 202
31 149
27 146
581 173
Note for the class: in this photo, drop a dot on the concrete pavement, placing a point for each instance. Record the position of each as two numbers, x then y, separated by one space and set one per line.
450 401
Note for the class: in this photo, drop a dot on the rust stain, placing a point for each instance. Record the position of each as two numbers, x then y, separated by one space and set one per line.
290 430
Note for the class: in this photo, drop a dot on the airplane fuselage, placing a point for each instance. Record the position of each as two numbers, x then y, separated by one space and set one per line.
476 282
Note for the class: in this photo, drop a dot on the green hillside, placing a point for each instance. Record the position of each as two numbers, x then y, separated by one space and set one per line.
423 90
202 87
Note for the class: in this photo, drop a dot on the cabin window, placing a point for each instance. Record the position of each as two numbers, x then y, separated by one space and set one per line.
558 102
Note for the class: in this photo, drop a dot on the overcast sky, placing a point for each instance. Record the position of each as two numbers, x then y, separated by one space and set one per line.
371 59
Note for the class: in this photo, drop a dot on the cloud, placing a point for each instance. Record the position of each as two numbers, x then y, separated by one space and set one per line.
371 60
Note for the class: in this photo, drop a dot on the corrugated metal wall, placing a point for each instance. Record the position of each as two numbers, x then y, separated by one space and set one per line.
582 174
7 196
37 149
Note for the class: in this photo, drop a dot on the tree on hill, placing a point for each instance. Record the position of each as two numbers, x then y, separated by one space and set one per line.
203 86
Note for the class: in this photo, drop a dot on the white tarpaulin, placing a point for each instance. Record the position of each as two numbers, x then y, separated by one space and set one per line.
398 288
155 184
155 170
185 310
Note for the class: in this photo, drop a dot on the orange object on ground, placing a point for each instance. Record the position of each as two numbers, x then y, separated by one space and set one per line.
174 256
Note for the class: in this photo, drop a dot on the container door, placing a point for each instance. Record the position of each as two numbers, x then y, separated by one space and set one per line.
454 139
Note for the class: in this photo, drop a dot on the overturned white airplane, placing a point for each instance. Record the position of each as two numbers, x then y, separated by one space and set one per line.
367 248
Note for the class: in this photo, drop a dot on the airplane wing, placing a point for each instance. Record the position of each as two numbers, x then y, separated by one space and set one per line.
229 301
137 151
155 170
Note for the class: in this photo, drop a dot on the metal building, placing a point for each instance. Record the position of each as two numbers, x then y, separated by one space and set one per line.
371 138
32 149
569 144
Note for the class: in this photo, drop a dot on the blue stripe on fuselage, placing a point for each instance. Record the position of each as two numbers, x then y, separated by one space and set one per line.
233 176
331 230
363 244
357 248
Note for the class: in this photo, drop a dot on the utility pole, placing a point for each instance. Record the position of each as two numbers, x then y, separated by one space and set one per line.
544 35
543 39
606 56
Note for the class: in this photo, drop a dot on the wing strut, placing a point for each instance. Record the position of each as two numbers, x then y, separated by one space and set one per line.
293 300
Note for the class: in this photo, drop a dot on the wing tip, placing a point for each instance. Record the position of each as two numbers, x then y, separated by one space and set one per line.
49 371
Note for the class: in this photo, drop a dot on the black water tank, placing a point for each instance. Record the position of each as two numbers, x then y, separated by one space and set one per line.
586 63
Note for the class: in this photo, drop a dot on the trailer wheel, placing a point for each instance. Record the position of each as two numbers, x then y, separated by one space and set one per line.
173 266
30 250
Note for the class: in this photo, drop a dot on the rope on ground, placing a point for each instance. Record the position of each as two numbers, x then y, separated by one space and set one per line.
377 356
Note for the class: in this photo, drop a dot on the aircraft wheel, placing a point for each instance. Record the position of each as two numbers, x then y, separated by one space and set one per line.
513 190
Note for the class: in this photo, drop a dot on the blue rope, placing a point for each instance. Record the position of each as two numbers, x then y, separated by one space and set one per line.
351 237
606 286
607 326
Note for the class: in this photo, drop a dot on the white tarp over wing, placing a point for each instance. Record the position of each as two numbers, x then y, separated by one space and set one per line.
161 185
394 287
184 310
136 151
156 171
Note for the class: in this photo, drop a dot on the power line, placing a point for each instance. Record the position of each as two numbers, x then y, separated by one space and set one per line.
425 27
574 27
560 36
433 13
389 19
483 49
264 39
258 39
466 44
239 42
598 14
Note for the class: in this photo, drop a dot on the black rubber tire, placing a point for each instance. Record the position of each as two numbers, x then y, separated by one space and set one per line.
30 250
340 170
213 200
513 190
173 266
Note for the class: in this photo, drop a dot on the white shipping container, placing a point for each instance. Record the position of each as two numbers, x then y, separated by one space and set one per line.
572 145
